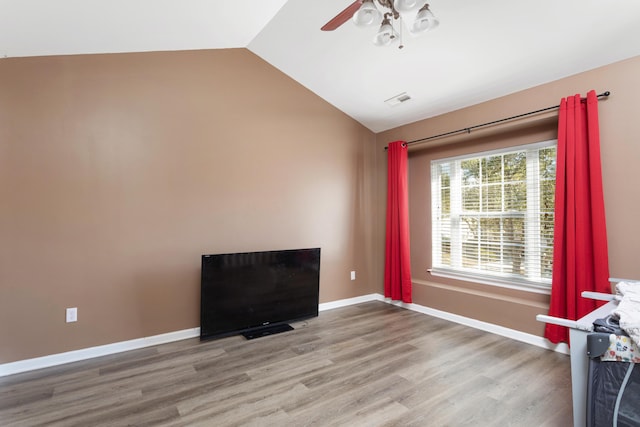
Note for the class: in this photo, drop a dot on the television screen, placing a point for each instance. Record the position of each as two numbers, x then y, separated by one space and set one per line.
252 290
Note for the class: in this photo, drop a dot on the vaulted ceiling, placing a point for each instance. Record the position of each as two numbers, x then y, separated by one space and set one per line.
480 51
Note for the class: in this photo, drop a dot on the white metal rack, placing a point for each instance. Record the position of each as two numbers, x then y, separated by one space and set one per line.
578 331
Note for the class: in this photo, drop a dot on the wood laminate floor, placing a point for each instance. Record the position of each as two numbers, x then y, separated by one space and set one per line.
371 364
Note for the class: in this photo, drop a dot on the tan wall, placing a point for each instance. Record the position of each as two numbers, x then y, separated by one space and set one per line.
620 160
118 171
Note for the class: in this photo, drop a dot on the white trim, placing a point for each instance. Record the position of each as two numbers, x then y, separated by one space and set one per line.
532 230
118 347
349 301
484 326
104 350
91 352
505 150
616 280
508 283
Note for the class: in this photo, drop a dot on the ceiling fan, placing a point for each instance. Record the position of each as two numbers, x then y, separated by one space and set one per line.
384 12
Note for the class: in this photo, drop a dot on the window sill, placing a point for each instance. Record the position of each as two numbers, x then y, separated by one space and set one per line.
492 281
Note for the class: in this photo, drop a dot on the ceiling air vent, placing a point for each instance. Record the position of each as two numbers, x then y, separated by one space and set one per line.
398 99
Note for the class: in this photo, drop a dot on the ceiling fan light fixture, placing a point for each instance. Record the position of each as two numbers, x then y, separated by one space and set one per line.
425 21
415 15
404 6
386 34
367 15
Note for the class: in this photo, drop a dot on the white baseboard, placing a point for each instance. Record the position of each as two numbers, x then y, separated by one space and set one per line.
91 352
104 350
484 326
349 301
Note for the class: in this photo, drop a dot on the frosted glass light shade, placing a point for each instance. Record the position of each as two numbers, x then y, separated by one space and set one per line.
425 21
367 15
403 6
386 35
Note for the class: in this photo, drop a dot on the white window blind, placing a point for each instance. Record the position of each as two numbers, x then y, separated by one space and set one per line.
492 215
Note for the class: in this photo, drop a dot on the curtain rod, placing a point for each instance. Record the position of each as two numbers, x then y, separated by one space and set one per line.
468 129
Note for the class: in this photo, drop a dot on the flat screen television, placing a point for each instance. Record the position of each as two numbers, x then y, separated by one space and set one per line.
258 293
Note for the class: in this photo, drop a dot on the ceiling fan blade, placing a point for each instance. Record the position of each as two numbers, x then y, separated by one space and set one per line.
342 17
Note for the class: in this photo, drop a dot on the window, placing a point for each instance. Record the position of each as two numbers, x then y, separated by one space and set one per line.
492 216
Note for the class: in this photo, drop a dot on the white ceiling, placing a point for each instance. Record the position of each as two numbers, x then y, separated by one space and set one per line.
480 51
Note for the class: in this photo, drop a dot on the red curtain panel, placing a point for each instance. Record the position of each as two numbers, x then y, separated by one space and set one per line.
397 271
580 255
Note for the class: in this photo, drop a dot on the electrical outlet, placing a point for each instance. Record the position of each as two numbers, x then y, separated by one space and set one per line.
72 314
353 275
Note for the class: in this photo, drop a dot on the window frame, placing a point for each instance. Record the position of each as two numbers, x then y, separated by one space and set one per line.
531 216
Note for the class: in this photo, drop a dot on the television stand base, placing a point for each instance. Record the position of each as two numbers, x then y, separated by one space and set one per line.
266 330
